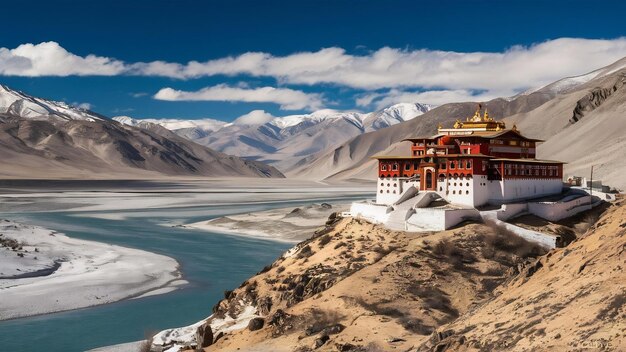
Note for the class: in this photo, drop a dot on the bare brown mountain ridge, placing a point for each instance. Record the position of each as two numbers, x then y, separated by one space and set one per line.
97 148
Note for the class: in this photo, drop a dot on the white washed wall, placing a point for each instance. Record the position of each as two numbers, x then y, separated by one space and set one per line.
509 190
371 212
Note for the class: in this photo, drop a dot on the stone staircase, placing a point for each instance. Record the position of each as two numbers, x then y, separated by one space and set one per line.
397 218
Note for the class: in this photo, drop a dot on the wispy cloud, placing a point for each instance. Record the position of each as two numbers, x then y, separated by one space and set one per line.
288 99
435 97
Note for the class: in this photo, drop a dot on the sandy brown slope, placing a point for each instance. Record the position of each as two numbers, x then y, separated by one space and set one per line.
583 128
573 299
48 148
356 287
351 159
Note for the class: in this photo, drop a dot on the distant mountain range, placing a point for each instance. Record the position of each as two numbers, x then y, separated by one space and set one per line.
286 141
46 139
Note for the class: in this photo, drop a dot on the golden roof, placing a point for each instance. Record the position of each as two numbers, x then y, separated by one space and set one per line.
477 121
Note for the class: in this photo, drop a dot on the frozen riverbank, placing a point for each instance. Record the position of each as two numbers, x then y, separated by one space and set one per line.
285 224
42 271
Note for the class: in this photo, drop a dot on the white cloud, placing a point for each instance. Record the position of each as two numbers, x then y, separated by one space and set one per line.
254 117
50 59
288 99
433 97
444 74
507 72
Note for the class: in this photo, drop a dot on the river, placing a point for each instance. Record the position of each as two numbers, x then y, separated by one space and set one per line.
211 262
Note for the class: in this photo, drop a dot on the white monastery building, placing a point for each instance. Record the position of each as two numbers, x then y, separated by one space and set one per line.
477 162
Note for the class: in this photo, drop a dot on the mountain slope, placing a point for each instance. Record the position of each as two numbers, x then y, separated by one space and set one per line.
572 299
44 139
283 141
584 127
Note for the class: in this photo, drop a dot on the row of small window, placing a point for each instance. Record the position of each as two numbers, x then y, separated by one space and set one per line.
394 192
529 172
502 142
460 184
454 164
389 185
455 177
453 192
395 167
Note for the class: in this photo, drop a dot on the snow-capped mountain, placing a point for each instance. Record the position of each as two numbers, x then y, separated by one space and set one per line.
20 104
46 139
283 141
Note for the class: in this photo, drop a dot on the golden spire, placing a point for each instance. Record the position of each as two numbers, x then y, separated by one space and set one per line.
486 116
476 117
514 128
458 124
439 126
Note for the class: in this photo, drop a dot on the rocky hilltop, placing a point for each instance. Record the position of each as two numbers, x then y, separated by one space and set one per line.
355 286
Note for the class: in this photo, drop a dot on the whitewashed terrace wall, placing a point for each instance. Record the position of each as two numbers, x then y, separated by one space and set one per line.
508 211
555 211
432 219
374 213
530 235
425 219
455 216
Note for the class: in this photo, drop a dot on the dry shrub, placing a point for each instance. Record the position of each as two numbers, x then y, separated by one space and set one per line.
455 255
324 240
505 240
305 252
416 326
567 235
320 320
380 309
433 298
340 244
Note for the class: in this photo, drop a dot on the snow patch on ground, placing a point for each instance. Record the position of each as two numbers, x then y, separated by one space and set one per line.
176 339
53 272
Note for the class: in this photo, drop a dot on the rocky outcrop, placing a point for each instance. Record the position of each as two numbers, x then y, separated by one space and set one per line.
204 336
595 98
256 324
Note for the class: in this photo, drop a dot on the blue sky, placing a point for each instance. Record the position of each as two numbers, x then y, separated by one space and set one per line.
133 58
